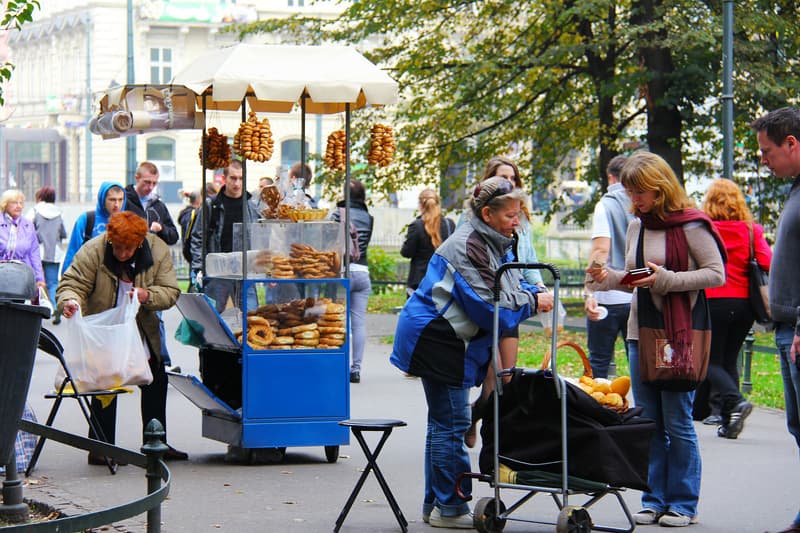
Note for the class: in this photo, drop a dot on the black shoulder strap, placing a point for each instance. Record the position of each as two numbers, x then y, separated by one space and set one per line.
87 230
640 248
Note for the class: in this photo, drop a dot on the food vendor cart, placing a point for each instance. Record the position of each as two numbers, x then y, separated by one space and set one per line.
277 375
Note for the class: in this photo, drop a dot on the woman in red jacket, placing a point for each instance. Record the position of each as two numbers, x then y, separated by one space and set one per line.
731 315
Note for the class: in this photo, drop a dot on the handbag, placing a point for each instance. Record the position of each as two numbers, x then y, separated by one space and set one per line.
105 350
759 285
656 365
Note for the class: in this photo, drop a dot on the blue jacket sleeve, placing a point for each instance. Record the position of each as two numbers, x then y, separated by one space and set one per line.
75 242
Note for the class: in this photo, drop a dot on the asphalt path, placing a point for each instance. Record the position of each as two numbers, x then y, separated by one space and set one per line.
749 484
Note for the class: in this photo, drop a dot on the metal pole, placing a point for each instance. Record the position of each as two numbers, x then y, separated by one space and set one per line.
727 89
154 448
13 509
88 181
130 141
347 190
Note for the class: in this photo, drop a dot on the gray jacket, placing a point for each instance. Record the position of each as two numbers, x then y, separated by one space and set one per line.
49 229
784 285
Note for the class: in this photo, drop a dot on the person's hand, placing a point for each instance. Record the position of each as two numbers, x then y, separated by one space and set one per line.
70 308
41 285
198 281
591 308
793 351
140 293
598 274
544 302
155 227
649 281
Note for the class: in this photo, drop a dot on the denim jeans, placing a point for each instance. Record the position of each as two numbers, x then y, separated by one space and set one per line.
360 288
51 279
784 335
674 471
602 335
445 452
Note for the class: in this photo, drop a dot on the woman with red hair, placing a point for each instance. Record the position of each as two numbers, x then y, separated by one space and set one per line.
124 261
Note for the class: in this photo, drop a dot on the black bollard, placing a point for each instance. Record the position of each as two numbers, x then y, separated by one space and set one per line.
154 448
13 509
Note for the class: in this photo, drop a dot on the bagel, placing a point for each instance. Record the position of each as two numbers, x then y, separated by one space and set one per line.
307 335
306 342
333 317
257 320
334 308
331 329
283 339
330 341
331 323
334 336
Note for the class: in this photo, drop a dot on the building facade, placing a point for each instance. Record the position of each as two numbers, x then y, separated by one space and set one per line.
74 50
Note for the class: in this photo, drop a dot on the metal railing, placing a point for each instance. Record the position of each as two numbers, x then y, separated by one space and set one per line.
150 459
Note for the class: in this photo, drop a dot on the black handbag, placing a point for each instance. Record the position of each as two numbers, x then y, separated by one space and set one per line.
759 286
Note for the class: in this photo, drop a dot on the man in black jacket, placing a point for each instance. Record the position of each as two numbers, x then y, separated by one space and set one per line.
142 200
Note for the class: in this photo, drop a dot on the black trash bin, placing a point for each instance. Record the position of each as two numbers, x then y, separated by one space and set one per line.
19 335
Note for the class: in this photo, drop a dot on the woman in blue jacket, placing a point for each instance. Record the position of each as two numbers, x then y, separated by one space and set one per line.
444 336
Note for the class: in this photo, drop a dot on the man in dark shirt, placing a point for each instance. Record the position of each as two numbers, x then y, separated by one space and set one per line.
143 200
223 211
778 135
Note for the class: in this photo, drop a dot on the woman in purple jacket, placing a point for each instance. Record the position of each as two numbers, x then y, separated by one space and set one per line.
18 239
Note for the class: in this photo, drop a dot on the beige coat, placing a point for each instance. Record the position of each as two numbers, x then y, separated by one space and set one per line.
706 268
90 282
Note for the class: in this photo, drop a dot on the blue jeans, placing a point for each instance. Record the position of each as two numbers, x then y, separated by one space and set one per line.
602 335
784 335
674 471
445 453
360 289
51 279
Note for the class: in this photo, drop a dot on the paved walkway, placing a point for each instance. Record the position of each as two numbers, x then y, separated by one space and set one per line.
749 485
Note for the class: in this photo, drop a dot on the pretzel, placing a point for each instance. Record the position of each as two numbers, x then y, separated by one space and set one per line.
331 323
280 346
306 342
332 317
283 339
257 320
331 329
298 329
331 341
306 335
334 336
334 308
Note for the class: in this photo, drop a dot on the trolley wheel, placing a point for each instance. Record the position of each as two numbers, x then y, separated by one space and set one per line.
573 520
486 516
332 453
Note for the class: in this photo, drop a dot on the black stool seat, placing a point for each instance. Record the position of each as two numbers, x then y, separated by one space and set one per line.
358 426
372 424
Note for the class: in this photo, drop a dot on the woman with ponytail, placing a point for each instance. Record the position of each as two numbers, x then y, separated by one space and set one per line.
424 236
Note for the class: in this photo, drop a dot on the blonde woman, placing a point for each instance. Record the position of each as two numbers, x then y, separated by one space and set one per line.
686 255
424 236
18 240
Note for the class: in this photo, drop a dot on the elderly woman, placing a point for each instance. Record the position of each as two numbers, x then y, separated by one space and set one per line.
444 336
686 255
125 260
18 240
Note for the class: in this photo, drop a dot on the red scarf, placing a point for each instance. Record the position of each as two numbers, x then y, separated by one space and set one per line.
677 309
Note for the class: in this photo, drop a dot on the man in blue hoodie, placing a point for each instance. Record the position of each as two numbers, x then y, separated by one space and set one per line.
110 200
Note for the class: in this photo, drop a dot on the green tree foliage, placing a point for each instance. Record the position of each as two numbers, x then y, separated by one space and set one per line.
17 12
552 79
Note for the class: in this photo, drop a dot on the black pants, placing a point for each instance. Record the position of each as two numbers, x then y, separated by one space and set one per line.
731 320
154 405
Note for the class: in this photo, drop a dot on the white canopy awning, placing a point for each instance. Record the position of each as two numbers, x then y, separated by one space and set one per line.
274 77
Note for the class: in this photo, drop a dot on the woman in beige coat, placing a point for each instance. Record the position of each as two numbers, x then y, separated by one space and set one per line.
124 260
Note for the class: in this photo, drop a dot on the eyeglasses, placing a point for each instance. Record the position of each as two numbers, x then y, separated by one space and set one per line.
504 187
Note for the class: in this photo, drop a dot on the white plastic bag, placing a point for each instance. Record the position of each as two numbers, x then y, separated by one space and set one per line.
105 350
546 318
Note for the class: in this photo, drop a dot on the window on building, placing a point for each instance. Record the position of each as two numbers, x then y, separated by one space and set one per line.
290 152
160 65
161 152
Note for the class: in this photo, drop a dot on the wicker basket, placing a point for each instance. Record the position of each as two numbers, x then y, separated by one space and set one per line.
587 369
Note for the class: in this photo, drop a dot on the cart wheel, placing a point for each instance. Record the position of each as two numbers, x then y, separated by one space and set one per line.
485 516
332 453
573 520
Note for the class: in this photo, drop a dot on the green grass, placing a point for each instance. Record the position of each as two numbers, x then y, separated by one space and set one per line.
767 388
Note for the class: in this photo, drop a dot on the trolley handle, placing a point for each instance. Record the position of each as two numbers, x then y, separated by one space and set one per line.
511 266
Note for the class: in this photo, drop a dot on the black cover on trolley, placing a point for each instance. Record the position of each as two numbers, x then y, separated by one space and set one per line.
603 445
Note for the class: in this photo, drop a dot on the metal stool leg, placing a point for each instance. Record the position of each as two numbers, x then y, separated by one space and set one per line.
372 466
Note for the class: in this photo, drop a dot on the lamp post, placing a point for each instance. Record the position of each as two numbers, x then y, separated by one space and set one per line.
130 141
727 89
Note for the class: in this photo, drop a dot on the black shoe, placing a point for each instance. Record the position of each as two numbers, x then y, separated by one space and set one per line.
738 416
722 431
175 455
712 420
355 377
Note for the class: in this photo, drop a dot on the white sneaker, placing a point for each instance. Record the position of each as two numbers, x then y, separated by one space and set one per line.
646 517
463 521
676 519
